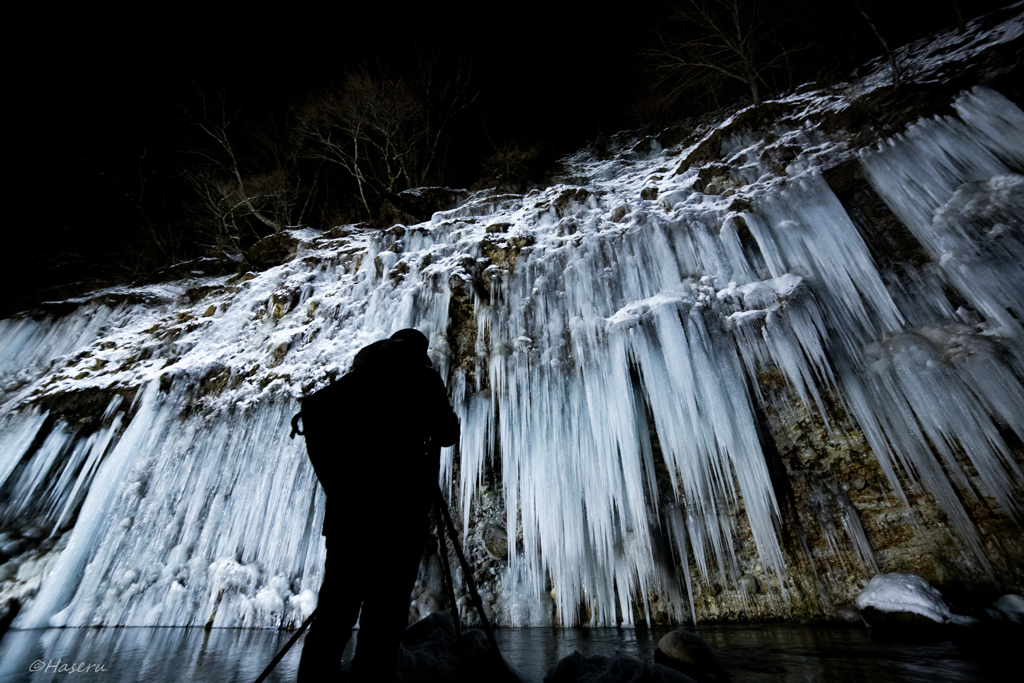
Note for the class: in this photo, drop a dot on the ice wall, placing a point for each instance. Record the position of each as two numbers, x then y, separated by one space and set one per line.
953 382
605 332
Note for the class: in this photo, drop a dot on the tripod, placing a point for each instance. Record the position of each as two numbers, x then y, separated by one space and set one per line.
444 520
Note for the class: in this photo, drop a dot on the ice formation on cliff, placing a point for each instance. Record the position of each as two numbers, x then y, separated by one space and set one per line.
600 320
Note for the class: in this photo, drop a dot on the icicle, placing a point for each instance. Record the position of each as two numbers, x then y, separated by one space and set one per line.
855 530
677 533
948 181
18 433
57 475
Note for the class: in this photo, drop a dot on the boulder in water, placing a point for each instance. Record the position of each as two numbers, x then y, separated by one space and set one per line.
689 654
905 607
1011 607
431 652
848 614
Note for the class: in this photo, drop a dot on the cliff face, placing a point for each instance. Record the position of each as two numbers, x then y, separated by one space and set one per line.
732 371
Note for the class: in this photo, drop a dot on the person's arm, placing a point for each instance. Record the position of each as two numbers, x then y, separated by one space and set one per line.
444 423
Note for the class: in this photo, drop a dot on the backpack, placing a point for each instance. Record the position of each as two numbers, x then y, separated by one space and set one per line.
319 413
316 416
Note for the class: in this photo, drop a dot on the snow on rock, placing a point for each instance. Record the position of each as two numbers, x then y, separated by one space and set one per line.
906 593
1011 607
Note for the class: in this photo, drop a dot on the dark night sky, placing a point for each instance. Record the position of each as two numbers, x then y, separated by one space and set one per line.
548 69
91 84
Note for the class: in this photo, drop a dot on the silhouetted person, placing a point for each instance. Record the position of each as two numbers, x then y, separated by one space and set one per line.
366 434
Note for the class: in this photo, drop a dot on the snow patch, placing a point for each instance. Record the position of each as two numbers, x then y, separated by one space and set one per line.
905 593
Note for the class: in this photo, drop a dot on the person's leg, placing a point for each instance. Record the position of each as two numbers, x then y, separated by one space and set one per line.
386 608
337 611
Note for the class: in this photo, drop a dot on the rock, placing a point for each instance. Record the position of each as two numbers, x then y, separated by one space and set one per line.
650 193
210 311
903 594
1011 606
429 602
904 607
688 654
13 547
670 199
598 669
433 574
711 179
618 213
749 584
430 651
423 202
901 626
417 205
8 571
848 614
384 262
426 627
270 251
339 231
496 541
570 199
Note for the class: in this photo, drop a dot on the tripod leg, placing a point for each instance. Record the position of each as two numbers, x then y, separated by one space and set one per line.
448 584
467 573
284 650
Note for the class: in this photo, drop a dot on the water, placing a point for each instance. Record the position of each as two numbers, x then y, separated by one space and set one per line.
750 653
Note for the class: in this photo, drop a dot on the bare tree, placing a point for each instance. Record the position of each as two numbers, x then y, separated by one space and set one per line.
133 176
214 118
388 132
961 25
446 87
363 127
883 42
713 42
512 166
230 186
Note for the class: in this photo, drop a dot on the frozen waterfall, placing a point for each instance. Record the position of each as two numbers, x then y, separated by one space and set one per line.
588 337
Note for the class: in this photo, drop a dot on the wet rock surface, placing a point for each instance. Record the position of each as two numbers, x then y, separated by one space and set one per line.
689 654
269 252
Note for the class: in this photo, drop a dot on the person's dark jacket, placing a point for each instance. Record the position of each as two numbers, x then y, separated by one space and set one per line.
367 433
